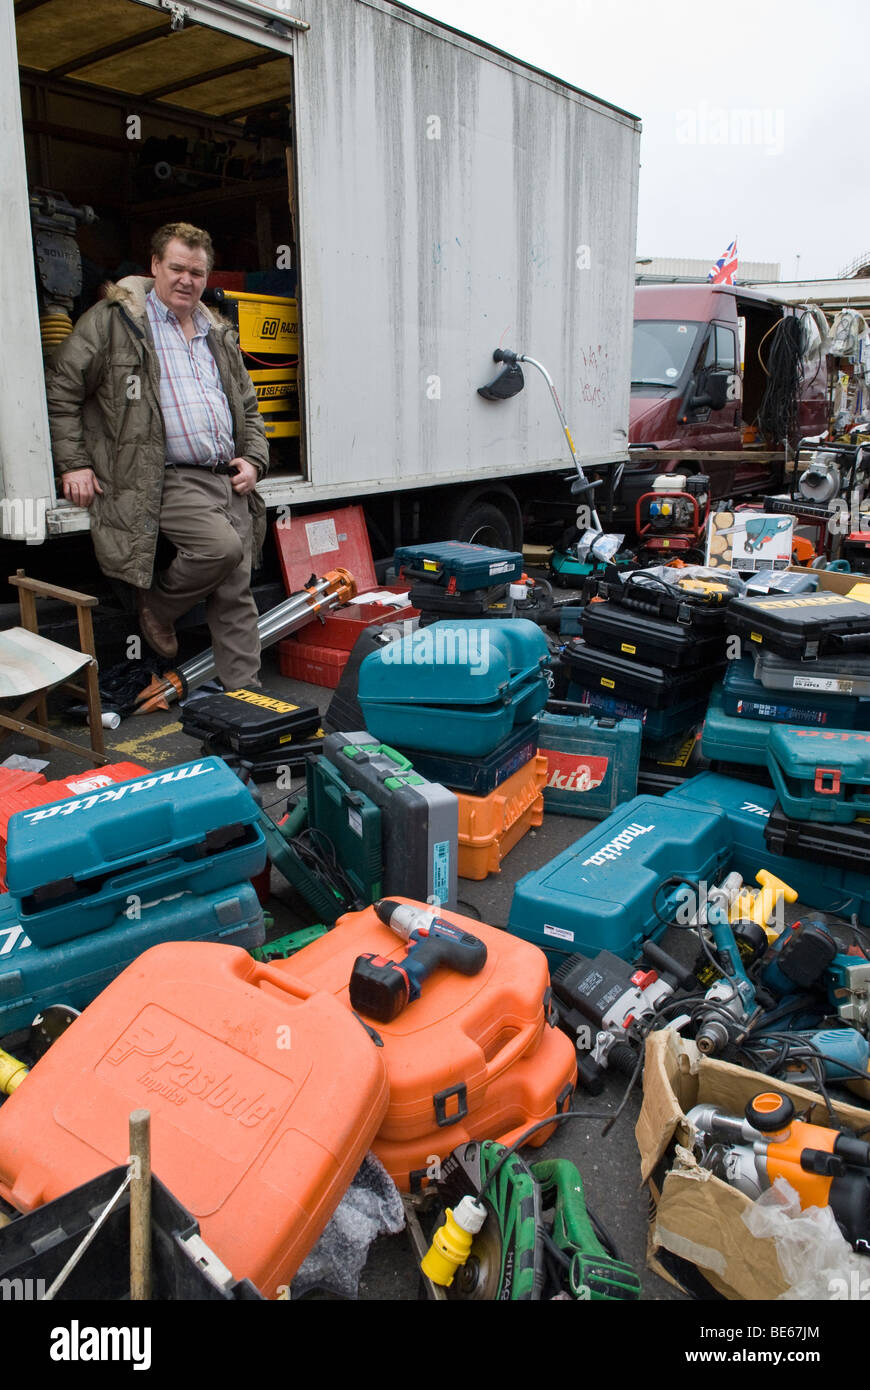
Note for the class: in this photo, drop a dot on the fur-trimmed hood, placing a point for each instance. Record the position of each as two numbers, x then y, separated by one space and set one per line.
131 293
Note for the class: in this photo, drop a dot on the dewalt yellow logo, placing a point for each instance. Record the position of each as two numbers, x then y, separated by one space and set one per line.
251 697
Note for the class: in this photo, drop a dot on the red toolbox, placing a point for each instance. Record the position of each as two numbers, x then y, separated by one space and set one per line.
342 626
265 1094
21 791
473 1058
303 661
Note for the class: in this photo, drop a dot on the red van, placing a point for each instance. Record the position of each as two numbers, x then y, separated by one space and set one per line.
697 381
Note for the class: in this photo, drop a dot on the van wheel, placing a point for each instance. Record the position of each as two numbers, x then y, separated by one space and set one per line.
483 523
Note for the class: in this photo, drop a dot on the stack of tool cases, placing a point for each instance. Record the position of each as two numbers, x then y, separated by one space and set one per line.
459 701
804 662
254 731
97 878
456 579
651 650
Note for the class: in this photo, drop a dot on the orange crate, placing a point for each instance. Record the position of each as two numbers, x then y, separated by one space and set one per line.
472 1058
490 826
265 1095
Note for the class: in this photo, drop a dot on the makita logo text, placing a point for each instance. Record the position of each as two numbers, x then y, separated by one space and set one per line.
66 808
617 846
839 735
77 1343
756 810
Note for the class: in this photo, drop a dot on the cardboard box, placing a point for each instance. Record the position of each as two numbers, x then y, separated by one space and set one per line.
695 1215
832 581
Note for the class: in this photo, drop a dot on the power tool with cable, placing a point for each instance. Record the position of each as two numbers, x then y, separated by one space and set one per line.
826 1167
535 1241
380 988
606 1005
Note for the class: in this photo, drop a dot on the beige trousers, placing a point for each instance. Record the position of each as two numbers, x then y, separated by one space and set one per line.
210 527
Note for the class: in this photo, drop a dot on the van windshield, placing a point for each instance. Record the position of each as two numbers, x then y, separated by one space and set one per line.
661 350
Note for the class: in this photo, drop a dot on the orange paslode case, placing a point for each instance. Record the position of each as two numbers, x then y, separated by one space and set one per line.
264 1092
473 1058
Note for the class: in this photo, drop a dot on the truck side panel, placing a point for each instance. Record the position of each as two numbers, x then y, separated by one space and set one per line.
452 201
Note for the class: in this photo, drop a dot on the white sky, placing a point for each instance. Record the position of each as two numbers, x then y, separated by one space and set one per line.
792 180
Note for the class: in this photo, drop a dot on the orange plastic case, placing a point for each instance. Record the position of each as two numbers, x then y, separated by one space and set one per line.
490 826
472 1058
265 1094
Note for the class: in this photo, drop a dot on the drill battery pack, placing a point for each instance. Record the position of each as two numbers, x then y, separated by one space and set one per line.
490 826
74 972
747 807
71 866
592 761
744 697
419 819
248 721
456 687
821 774
654 687
613 889
802 627
474 1057
651 640
457 566
265 1095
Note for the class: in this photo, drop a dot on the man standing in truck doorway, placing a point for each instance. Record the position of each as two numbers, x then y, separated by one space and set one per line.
155 428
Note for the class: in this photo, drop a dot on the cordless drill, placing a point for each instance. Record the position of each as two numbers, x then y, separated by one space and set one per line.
380 988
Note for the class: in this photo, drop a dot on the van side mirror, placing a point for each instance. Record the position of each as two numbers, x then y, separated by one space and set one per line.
714 392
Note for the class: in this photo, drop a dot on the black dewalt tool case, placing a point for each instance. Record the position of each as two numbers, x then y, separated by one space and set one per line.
802 626
696 604
248 721
654 687
643 637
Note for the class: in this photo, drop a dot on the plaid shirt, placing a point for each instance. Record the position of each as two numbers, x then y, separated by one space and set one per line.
196 413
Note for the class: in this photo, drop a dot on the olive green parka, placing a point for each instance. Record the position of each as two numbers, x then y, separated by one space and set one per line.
103 393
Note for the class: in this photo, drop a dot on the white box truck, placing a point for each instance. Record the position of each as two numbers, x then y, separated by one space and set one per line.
434 197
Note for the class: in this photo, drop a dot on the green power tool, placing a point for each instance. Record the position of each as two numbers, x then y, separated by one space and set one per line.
537 1242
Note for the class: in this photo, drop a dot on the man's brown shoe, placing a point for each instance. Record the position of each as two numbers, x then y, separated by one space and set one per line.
159 635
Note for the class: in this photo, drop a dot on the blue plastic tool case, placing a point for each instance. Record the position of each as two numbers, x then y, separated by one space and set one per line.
419 819
729 739
458 565
608 891
744 697
652 640
803 626
74 972
71 866
592 761
652 686
747 807
455 688
821 774
478 776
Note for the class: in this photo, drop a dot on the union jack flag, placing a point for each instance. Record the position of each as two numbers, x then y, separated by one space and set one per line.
722 272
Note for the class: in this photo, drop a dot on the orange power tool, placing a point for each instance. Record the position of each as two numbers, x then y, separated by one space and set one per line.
826 1167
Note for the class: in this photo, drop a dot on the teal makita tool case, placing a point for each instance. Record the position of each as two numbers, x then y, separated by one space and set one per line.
821 774
72 866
